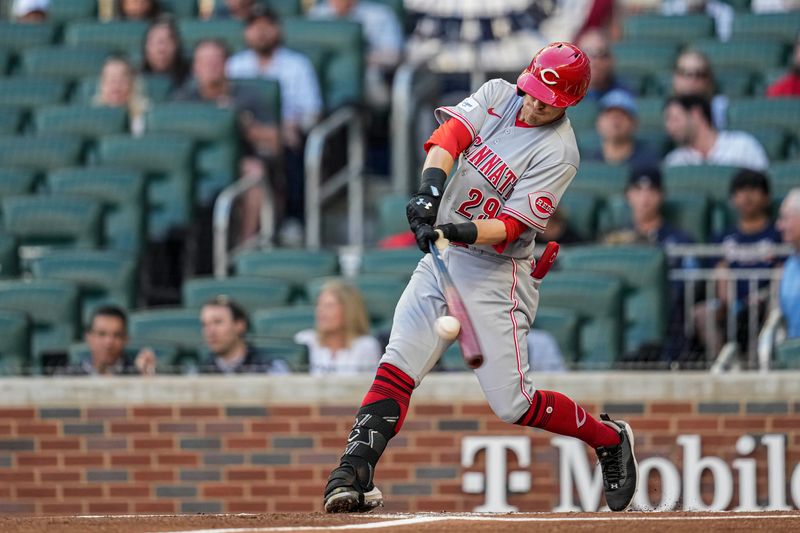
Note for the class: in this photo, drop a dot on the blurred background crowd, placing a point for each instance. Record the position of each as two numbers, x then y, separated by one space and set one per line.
219 185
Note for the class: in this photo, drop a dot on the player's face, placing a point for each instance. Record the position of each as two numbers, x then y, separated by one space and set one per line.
329 313
789 222
678 123
645 202
220 331
262 36
616 125
536 113
106 339
750 202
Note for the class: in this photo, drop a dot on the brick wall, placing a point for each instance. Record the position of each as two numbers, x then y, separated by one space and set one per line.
276 457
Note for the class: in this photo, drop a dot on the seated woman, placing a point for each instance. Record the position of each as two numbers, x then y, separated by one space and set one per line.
162 52
120 87
340 343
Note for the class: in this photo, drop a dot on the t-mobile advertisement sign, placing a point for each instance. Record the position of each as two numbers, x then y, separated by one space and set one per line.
576 476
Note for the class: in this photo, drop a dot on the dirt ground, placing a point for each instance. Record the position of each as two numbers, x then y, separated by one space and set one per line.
774 522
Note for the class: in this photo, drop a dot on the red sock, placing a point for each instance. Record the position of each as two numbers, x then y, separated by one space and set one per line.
558 414
392 383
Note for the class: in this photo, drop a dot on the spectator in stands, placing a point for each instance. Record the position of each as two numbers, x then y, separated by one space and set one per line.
162 52
645 197
138 9
789 225
119 86
261 138
616 124
544 352
340 342
558 229
30 11
596 44
107 337
225 324
384 37
754 230
788 85
301 101
720 11
235 9
688 122
693 75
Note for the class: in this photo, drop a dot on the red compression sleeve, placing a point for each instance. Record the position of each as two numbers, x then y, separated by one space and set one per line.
453 136
514 229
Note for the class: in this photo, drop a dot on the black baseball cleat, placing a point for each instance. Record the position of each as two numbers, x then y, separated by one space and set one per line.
620 472
344 495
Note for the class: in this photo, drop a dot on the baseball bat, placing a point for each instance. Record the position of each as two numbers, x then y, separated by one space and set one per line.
467 339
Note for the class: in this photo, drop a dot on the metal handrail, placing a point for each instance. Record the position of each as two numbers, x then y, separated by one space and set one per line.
351 176
767 338
223 207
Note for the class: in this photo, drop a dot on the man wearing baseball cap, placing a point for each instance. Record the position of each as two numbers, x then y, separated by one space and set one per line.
616 125
30 10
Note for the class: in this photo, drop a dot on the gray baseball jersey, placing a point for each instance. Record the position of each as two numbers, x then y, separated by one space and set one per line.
511 169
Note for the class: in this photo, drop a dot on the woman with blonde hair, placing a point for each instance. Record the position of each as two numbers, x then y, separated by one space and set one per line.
340 342
119 86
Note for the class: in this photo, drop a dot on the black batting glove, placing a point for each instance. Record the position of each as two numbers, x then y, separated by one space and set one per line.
423 206
424 235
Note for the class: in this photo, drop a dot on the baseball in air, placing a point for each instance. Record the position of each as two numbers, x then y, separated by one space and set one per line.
447 327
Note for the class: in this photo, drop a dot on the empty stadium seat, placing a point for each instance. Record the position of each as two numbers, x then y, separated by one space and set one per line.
16 181
392 215
9 259
84 121
283 323
599 178
295 266
252 293
29 92
63 62
399 262
121 190
10 120
770 26
173 325
583 115
671 29
644 272
747 55
651 57
230 31
784 177
787 354
776 142
40 153
53 220
597 298
764 113
17 37
563 325
15 342
711 180
120 36
180 8
52 307
66 10
102 276
651 112
581 209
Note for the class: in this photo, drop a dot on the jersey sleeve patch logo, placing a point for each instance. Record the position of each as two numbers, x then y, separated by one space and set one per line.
468 104
543 204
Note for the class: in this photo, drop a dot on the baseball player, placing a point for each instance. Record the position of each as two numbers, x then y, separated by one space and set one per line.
516 155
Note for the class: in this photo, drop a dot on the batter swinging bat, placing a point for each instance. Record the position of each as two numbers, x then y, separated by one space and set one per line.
470 349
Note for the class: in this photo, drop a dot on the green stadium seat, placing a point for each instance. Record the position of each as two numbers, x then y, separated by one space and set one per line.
669 29
16 181
589 144
734 82
283 323
215 132
651 112
40 153
28 92
583 115
772 113
67 10
52 307
399 262
167 161
656 138
294 355
101 276
787 354
775 142
711 180
122 193
270 92
599 178
5 62
252 293
452 360
230 31
84 121
17 37
295 266
50 220
690 213
742 55
342 76
581 210
392 215
63 62
597 298
644 272
784 177
637 79
167 355
770 26
380 292
173 325
122 37
8 256
10 120
15 341
650 57
564 326
180 8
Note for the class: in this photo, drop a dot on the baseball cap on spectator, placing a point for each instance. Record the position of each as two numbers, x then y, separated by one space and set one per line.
619 99
645 177
749 179
23 8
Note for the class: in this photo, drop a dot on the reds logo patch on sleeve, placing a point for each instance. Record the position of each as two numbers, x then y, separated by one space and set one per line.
543 204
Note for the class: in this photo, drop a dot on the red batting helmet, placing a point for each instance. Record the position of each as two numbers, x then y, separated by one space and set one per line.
558 75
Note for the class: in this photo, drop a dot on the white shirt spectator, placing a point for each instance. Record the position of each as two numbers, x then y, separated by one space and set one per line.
381 27
301 101
362 356
544 353
732 148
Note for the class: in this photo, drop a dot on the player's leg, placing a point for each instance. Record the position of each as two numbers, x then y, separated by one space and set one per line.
505 374
413 349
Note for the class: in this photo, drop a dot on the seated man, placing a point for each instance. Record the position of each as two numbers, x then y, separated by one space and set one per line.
107 337
616 125
789 225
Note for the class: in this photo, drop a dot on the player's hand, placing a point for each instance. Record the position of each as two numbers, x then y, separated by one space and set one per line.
421 209
424 235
